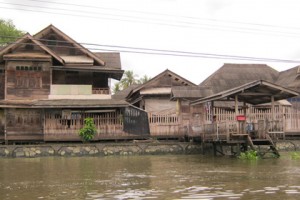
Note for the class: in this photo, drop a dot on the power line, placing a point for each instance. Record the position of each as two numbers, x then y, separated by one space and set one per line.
181 24
163 14
161 52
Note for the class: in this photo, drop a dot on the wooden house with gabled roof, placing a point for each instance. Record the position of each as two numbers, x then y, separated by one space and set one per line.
50 83
166 99
154 95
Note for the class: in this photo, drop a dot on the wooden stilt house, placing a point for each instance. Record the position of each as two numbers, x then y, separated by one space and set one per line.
50 83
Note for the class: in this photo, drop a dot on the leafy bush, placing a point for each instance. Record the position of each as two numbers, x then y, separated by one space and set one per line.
249 155
295 155
88 131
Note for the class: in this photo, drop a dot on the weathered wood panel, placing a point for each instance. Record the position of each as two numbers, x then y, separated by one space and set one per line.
2 84
24 124
161 105
23 121
27 80
165 125
2 121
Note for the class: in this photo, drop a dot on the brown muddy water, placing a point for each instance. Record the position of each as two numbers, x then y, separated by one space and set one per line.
149 177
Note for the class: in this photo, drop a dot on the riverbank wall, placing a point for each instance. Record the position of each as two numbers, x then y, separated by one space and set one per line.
122 149
99 149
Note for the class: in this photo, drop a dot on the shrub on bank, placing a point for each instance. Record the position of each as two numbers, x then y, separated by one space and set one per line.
88 131
249 155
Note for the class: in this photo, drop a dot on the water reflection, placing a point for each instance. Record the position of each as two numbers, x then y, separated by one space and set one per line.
149 177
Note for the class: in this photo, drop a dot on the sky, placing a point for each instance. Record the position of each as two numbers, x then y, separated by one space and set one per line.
261 29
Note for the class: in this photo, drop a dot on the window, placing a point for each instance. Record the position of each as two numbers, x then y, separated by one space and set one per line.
28 68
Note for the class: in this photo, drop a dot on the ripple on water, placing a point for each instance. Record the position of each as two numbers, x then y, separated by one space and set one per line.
201 192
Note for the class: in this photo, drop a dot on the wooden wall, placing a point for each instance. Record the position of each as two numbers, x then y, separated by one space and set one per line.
2 121
2 83
27 80
24 124
159 104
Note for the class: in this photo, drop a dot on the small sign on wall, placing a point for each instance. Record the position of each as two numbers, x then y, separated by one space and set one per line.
241 118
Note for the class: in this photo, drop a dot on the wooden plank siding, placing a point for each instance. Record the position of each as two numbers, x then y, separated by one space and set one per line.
59 128
2 83
24 124
27 79
164 125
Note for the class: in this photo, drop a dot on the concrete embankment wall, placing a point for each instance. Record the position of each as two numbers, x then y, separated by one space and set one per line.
288 145
99 149
125 149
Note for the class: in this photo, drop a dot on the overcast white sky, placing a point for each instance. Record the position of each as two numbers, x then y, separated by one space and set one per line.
252 28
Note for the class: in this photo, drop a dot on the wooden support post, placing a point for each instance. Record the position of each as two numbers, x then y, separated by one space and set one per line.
272 108
236 105
238 149
5 126
215 149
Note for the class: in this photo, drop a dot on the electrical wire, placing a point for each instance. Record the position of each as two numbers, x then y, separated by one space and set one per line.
162 14
181 24
161 52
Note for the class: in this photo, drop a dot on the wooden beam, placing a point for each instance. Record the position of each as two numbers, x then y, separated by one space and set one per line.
236 105
272 107
254 94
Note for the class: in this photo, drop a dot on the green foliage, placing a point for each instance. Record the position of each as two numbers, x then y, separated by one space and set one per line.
295 155
144 79
249 155
128 79
8 31
117 88
89 130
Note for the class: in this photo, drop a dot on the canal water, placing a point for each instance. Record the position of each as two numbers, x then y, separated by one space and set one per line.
149 177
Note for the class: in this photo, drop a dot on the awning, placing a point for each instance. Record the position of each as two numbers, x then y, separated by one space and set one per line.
256 92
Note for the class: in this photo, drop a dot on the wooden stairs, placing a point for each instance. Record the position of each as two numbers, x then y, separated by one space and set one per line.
242 142
264 147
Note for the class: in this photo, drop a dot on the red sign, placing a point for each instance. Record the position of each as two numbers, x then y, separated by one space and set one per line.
241 118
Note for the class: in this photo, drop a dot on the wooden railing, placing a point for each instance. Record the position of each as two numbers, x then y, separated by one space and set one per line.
100 91
108 125
165 125
290 116
225 130
218 131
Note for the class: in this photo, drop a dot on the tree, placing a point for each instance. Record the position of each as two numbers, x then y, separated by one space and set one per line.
144 79
8 32
117 88
128 79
